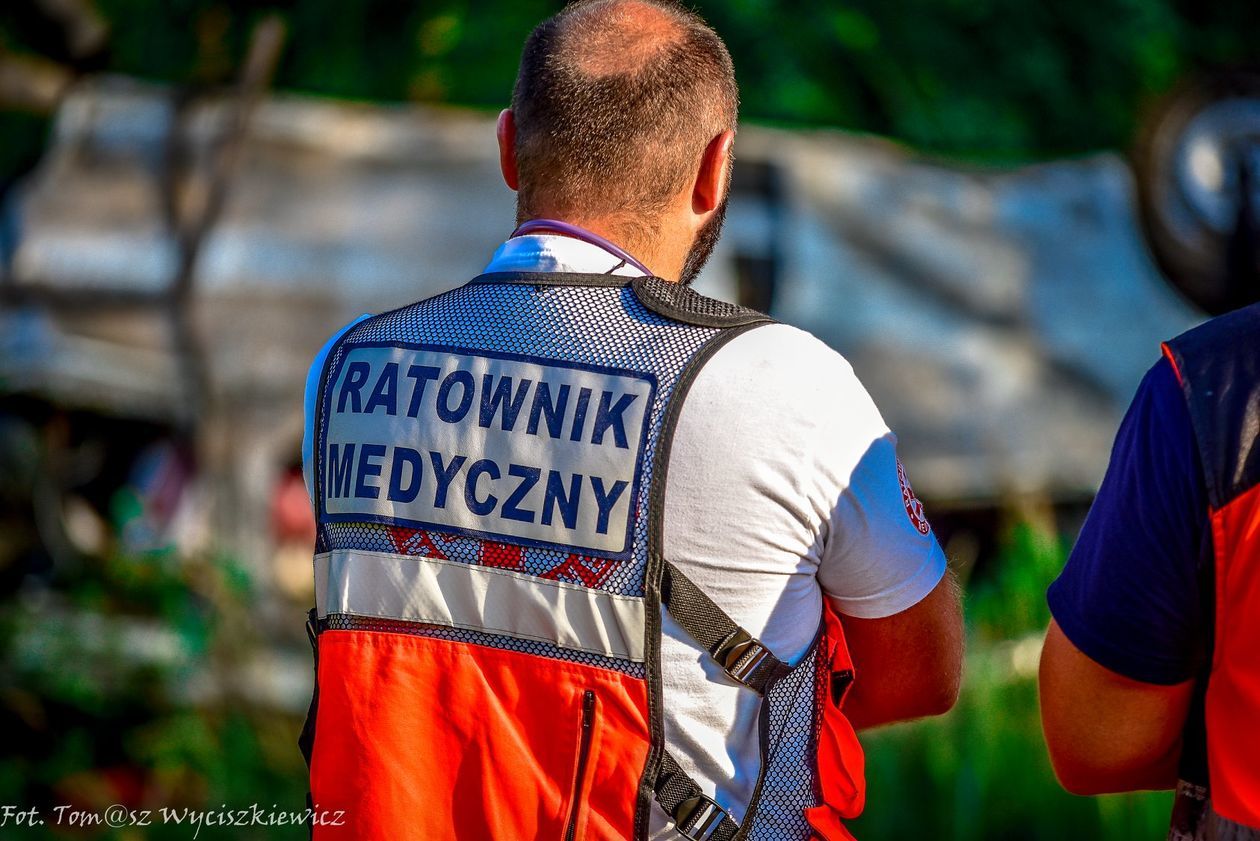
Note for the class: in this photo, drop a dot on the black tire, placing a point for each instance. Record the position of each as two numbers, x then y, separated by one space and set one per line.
1193 254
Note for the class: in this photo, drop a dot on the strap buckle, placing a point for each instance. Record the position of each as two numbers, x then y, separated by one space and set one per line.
698 817
739 654
312 628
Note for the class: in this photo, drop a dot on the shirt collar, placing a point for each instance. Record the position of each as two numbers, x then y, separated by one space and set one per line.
554 253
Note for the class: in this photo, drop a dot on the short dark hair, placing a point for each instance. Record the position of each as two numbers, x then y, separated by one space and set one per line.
615 103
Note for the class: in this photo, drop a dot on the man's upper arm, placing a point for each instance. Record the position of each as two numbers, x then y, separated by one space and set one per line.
1118 666
880 556
885 573
1107 732
909 664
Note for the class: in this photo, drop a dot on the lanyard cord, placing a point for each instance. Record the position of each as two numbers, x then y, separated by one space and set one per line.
555 226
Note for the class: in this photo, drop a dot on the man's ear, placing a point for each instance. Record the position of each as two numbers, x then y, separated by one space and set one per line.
711 184
507 148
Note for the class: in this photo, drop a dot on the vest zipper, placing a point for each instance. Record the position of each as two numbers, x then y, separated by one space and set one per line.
584 750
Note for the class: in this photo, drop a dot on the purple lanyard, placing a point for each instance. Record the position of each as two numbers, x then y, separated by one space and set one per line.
555 226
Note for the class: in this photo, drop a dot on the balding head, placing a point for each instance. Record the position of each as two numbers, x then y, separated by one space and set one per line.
614 106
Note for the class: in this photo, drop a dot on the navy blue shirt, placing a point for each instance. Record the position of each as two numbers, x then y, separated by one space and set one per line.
1129 597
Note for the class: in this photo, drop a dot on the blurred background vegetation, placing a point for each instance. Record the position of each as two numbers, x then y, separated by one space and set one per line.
93 718
984 79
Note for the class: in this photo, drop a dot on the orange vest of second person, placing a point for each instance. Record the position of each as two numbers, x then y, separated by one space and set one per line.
1218 366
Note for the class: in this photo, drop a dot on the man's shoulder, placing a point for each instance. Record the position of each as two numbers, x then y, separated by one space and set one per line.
778 346
678 301
316 370
783 360
778 382
317 363
1223 331
1217 365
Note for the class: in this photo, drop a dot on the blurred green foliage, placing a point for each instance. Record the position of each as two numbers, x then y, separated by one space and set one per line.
973 77
981 773
982 79
117 686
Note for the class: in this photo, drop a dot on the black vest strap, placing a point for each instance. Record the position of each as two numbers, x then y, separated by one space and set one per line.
739 653
306 740
682 303
695 814
1218 364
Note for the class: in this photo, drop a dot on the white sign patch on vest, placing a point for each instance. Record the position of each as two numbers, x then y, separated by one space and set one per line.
531 451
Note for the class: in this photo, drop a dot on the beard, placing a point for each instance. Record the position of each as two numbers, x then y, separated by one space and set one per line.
706 239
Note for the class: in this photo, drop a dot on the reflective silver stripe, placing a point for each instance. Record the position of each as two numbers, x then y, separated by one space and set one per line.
418 589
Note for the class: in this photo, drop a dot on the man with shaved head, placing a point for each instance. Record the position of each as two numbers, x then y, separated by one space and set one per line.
599 557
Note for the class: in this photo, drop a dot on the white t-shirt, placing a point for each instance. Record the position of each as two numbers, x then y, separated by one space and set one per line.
783 484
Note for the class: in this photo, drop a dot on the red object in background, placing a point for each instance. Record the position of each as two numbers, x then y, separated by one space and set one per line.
292 520
95 790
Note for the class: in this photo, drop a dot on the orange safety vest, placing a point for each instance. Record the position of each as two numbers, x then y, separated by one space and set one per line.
1218 366
489 478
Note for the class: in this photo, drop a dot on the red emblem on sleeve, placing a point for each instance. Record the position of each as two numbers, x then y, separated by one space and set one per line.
914 508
